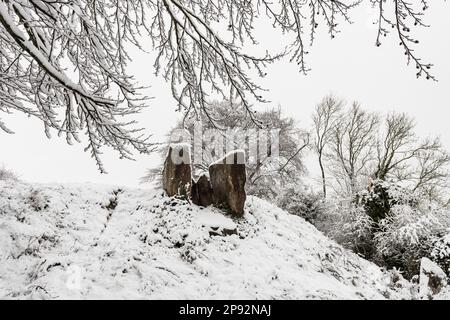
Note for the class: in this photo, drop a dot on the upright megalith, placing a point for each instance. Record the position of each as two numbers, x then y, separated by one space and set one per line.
177 176
201 192
228 177
432 279
224 188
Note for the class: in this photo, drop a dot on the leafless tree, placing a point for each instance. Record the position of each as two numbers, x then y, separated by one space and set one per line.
353 147
403 156
432 175
325 118
362 146
64 62
397 144
269 175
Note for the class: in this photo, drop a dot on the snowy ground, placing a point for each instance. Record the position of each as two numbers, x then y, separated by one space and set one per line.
89 242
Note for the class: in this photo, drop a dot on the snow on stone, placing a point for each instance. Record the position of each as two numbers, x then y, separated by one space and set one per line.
229 158
65 241
180 151
432 278
428 266
180 146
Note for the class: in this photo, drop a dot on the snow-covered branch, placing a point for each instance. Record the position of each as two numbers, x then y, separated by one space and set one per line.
64 62
39 39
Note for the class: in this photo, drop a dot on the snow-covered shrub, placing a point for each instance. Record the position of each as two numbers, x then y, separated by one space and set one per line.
392 227
266 188
441 252
37 200
382 196
7 175
302 202
189 254
406 235
350 226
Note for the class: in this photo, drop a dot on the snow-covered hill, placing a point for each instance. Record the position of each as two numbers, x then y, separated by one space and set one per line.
88 241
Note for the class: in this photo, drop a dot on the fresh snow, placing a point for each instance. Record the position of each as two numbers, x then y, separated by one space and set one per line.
229 158
429 269
98 242
215 220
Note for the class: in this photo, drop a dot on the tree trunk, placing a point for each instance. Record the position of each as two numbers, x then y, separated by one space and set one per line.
322 170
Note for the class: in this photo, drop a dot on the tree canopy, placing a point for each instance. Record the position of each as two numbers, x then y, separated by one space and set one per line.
64 62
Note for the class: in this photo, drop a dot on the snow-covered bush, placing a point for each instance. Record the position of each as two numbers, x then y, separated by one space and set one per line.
392 227
37 200
350 226
382 196
406 235
302 202
7 175
441 252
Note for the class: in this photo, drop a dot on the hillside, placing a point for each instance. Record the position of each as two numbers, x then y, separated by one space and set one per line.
88 242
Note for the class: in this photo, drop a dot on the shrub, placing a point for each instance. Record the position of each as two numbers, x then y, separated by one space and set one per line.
8 175
405 236
382 196
441 252
37 200
350 226
302 202
403 230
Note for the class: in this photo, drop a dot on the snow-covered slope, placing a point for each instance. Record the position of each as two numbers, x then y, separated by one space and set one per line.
87 241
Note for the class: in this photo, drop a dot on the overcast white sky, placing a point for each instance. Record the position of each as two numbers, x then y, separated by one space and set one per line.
349 66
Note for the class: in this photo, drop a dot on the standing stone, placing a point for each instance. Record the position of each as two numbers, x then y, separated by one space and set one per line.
202 193
228 178
177 176
432 279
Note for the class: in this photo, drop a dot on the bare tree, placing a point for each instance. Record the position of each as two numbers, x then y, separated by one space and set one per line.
432 175
398 144
353 147
403 156
325 118
64 62
394 146
362 148
271 174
